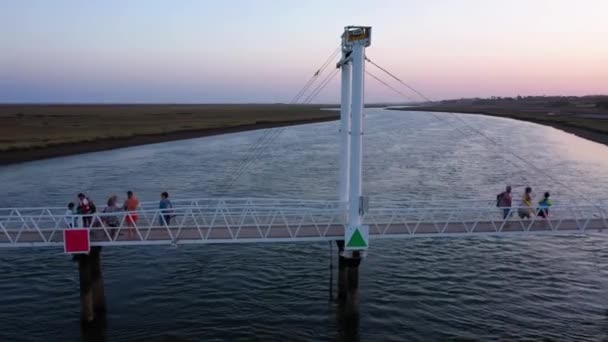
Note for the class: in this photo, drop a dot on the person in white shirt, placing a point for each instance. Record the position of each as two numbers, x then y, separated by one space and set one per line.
70 219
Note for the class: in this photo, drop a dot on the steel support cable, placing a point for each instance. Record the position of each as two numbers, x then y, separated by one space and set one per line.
272 137
389 86
277 132
398 79
297 97
523 160
320 87
263 140
494 142
314 76
301 92
437 117
304 89
253 147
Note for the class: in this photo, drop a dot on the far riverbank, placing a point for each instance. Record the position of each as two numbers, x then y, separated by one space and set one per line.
590 128
32 132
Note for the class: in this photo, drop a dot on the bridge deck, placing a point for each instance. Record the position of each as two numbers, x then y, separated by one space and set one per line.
287 221
107 236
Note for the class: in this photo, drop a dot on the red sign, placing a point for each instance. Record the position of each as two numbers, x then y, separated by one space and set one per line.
76 241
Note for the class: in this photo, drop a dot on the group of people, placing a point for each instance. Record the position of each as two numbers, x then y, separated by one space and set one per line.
81 213
526 208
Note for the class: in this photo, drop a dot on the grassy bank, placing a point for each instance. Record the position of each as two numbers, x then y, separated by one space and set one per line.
580 116
29 132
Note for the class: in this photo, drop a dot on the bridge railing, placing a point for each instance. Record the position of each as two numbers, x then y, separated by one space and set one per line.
247 221
226 222
436 221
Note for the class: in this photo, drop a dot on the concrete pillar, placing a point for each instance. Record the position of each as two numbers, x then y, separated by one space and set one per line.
87 314
99 296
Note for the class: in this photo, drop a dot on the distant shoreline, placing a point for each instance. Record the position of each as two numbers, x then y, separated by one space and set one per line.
597 136
32 132
62 150
19 155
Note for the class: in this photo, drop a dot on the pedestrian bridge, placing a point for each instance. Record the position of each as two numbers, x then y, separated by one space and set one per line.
254 220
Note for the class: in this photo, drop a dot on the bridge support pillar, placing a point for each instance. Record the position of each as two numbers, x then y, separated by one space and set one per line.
92 296
87 314
341 271
348 274
99 296
348 294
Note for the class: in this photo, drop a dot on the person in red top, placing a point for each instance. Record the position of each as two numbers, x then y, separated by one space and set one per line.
130 206
85 208
504 201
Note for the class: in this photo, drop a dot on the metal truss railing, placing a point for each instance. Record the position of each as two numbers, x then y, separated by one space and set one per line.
468 220
255 220
226 220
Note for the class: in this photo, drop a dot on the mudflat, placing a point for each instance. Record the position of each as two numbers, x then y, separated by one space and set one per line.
30 132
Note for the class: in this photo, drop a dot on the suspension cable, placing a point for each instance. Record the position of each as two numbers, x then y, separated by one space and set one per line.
322 85
399 80
272 134
389 86
494 142
434 115
315 76
278 131
261 140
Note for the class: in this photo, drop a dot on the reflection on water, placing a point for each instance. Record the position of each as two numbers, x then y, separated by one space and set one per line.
419 289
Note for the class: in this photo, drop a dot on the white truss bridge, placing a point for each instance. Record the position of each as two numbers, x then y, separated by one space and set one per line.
251 220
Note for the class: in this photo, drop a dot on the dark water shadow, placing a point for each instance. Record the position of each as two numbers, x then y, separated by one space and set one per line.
95 331
347 308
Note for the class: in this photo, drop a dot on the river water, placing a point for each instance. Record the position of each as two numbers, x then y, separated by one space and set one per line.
422 289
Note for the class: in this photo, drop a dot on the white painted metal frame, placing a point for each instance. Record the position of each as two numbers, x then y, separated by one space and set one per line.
225 221
462 221
345 112
354 41
248 221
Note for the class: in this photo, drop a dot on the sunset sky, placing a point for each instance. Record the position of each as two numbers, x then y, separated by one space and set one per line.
265 50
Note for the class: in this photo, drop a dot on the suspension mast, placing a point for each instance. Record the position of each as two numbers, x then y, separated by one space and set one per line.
354 41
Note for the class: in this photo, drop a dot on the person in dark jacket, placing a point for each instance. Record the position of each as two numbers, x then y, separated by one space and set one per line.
504 201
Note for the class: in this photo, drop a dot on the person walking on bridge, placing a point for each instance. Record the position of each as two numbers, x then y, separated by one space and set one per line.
85 208
504 201
166 208
543 206
525 207
131 204
110 219
70 219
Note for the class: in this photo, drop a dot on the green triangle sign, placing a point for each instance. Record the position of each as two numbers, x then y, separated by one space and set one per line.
357 240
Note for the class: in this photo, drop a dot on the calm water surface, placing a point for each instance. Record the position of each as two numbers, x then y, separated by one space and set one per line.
488 288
